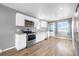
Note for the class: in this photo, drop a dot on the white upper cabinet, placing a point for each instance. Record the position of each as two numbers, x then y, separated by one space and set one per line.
43 24
37 24
20 19
29 18
36 21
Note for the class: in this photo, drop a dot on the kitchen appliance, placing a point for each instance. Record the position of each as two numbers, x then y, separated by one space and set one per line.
29 23
31 36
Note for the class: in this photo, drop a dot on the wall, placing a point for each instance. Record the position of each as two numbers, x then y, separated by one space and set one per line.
7 27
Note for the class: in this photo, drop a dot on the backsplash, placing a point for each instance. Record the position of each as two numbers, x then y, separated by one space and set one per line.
19 29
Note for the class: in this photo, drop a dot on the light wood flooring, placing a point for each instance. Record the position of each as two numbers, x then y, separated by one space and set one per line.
49 47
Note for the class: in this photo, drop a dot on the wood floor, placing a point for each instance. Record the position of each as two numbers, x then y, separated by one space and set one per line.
50 47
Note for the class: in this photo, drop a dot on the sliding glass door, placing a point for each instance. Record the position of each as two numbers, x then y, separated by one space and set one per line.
64 28
61 28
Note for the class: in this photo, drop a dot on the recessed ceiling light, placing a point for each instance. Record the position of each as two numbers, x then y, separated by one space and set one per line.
61 8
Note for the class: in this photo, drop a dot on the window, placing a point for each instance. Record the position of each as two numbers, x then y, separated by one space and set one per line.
63 26
52 26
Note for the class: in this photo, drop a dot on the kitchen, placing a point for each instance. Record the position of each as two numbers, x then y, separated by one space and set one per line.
40 35
38 29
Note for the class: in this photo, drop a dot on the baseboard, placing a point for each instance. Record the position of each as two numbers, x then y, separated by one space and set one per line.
0 51
8 48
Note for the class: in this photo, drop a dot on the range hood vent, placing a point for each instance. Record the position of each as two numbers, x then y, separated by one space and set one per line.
29 23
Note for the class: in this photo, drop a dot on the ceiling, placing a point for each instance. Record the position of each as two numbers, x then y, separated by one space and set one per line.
45 11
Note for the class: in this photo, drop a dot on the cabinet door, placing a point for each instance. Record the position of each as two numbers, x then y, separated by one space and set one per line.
46 35
41 36
37 38
20 41
37 24
43 24
20 19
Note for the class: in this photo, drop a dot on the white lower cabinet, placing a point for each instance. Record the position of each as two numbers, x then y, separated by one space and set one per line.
20 41
41 36
38 38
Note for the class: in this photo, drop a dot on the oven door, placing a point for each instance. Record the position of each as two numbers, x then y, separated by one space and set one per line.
31 37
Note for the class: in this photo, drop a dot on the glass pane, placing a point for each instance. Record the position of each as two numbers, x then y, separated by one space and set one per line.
52 27
63 28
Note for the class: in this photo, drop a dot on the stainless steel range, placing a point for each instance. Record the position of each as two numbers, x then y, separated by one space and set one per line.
31 36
